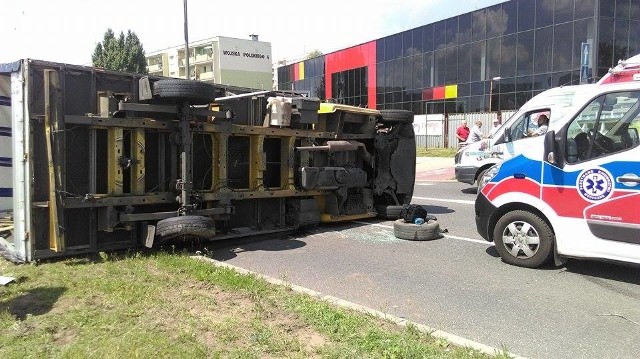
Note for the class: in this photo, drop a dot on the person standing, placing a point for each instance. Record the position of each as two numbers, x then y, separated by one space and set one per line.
476 133
462 133
497 122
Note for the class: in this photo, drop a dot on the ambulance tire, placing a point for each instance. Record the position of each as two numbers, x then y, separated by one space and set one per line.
185 226
480 177
539 254
417 232
194 92
396 116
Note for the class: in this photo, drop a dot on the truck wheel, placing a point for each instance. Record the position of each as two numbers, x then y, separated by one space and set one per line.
523 239
187 226
195 92
416 232
388 212
396 116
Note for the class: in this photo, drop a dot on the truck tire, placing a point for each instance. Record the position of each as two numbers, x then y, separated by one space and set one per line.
187 226
416 232
523 239
388 212
396 116
194 92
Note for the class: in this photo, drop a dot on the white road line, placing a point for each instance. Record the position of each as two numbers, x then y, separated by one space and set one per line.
477 241
461 201
424 184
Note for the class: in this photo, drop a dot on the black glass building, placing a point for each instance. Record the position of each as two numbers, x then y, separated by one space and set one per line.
494 58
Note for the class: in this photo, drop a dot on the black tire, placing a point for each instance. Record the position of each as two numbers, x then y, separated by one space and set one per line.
416 232
185 226
522 249
396 116
388 212
194 92
479 178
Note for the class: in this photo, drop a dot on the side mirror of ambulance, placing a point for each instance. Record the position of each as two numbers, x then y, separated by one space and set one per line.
551 153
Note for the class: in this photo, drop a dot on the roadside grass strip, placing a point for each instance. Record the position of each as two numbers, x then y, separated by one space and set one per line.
166 304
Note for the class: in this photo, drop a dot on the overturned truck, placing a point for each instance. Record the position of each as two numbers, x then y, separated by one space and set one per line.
97 160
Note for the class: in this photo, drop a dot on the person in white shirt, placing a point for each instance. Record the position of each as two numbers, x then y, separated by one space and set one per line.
476 133
543 126
497 122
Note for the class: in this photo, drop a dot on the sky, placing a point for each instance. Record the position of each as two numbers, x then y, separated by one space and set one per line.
67 31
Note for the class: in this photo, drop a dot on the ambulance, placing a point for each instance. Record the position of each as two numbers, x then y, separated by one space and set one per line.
577 194
472 161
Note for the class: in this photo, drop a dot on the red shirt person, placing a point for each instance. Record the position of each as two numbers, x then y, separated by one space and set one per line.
462 133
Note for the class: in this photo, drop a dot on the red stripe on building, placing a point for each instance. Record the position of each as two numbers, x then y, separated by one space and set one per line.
349 59
296 71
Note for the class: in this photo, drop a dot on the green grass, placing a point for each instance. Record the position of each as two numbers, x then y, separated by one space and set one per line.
171 305
435 152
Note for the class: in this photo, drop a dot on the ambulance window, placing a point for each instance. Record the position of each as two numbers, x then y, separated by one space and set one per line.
526 124
609 124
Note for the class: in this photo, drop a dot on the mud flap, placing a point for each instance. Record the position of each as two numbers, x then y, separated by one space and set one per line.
148 233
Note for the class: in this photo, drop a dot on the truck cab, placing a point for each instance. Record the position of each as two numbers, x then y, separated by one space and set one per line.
577 194
473 160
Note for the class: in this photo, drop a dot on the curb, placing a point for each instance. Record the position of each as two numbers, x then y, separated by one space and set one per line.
457 340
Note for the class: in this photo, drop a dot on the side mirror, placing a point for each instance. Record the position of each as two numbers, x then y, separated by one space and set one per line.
507 134
551 153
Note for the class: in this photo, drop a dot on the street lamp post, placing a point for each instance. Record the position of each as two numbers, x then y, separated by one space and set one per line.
497 78
186 42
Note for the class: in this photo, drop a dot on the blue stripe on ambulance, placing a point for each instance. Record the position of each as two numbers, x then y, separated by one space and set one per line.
520 165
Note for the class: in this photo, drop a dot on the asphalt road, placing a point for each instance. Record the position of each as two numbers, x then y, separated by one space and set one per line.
459 284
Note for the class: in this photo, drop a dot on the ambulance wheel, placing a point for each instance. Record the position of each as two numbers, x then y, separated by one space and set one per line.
479 178
523 239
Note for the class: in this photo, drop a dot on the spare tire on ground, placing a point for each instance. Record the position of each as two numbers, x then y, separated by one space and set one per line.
185 226
416 232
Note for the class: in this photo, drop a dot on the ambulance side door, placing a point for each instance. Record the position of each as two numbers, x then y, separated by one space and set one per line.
603 163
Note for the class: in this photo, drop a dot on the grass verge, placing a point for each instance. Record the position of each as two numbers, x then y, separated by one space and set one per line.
169 305
435 152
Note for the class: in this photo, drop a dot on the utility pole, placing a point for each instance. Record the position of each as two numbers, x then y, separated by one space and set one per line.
186 42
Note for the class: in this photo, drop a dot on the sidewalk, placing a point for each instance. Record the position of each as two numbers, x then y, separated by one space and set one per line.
435 169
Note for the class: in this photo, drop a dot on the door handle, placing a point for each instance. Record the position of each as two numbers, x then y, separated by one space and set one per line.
628 179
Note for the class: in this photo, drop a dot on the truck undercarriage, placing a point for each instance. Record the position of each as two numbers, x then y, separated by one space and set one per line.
105 160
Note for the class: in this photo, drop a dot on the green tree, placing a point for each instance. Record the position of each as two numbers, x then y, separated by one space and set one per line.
120 53
312 54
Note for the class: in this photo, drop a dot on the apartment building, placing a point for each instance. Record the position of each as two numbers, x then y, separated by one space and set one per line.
221 60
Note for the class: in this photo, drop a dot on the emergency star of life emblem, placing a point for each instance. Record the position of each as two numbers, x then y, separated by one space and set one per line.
595 184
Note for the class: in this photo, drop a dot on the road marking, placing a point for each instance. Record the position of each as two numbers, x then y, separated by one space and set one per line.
424 184
478 241
461 201
488 244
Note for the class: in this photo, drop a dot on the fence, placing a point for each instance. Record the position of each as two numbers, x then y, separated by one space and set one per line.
431 130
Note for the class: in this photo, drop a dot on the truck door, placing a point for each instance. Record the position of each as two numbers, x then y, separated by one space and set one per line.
599 187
